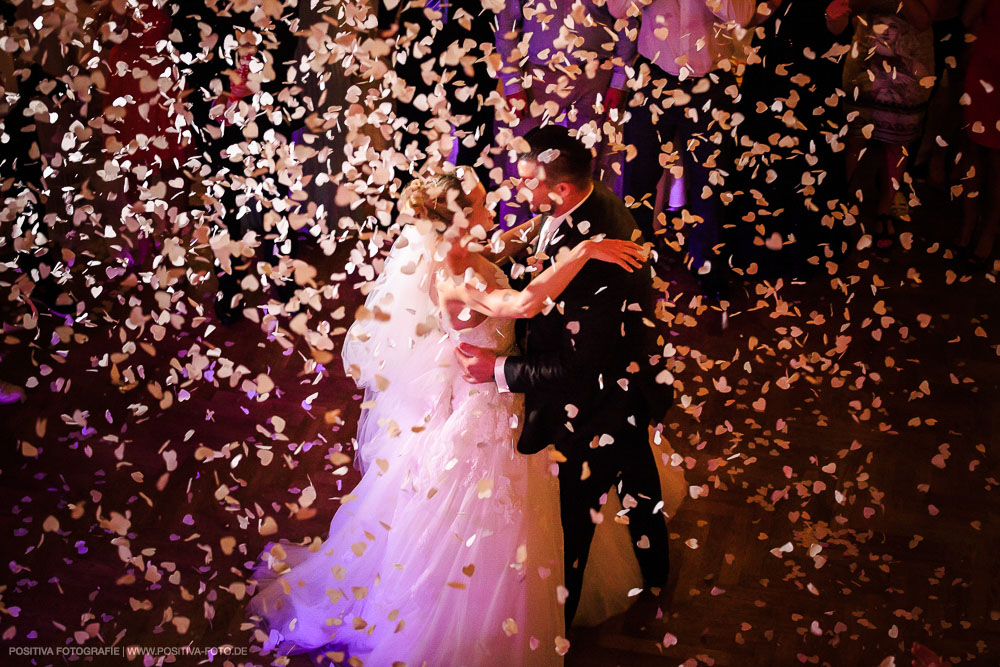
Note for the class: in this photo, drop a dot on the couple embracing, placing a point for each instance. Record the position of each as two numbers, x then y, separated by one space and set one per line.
497 423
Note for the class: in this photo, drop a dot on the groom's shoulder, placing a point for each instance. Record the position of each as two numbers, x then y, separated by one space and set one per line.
610 213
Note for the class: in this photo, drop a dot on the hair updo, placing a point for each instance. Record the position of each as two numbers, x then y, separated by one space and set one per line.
438 197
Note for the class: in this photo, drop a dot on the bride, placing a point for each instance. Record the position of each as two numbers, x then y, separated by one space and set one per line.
449 550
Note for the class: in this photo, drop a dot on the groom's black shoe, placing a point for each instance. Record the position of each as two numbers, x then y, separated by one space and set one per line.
713 286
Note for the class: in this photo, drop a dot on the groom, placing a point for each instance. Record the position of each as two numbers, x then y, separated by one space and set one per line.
588 364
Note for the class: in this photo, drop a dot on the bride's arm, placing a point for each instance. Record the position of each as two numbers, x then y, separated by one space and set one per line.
514 240
479 295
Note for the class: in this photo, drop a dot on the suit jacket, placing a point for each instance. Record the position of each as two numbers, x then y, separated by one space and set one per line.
591 362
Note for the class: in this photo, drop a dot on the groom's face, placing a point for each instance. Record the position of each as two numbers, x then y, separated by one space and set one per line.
534 187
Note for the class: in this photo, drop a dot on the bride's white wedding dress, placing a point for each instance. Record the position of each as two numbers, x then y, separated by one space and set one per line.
449 550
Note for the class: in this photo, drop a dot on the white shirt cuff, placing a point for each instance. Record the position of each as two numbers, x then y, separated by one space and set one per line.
498 375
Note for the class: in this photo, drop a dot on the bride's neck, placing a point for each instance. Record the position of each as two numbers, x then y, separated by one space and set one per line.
458 257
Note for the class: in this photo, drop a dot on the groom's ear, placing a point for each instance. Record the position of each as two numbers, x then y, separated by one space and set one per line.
564 190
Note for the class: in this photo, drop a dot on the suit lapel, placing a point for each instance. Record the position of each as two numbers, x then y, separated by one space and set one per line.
568 235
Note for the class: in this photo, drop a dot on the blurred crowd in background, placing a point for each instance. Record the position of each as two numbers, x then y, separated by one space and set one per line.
166 143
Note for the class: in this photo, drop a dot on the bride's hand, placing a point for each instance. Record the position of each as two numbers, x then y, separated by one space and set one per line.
625 254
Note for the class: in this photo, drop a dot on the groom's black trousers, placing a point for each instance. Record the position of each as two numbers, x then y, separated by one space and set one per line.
629 461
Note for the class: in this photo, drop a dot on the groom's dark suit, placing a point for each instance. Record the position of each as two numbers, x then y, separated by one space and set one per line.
590 390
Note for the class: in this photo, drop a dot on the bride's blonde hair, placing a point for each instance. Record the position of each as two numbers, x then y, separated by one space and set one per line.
438 197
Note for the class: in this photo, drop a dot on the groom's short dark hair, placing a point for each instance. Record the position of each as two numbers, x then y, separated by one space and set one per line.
565 158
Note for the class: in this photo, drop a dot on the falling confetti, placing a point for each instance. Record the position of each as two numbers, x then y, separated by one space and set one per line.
196 201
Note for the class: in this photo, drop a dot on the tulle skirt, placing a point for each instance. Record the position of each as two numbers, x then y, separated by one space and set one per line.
448 552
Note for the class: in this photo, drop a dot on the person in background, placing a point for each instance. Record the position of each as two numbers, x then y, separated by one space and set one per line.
233 57
37 110
564 62
942 127
144 135
888 77
791 180
682 104
982 125
440 82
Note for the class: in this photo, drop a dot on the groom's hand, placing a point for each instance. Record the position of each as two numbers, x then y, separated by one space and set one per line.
477 363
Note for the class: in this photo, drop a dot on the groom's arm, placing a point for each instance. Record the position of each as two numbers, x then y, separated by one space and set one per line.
586 344
590 347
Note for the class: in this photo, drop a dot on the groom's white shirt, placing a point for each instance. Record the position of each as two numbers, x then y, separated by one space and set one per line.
549 229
